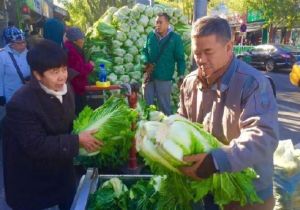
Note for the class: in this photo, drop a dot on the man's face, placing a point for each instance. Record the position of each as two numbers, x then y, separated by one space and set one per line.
210 53
161 25
18 46
53 79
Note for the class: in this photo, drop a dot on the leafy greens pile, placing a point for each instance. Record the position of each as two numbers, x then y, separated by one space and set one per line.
113 122
118 37
114 194
163 144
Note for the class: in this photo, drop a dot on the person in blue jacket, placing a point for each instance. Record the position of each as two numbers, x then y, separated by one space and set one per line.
54 30
10 79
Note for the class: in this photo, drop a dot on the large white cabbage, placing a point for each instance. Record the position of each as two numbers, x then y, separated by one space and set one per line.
128 43
121 36
124 27
184 19
157 9
139 29
149 29
119 52
118 60
119 70
112 77
152 21
124 10
169 11
128 58
139 7
133 35
149 12
129 67
135 75
133 50
140 43
132 23
144 20
116 44
125 78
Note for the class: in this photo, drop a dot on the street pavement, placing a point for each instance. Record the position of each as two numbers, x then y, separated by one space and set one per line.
288 99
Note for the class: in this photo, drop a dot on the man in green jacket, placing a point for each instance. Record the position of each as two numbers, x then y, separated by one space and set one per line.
162 50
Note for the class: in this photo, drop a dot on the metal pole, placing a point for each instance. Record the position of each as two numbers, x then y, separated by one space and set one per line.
146 2
200 10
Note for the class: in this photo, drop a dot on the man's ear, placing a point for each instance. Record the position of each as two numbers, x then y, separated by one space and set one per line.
229 46
37 75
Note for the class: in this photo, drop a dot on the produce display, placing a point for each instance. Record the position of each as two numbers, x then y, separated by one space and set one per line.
287 176
117 40
163 144
116 195
113 121
118 37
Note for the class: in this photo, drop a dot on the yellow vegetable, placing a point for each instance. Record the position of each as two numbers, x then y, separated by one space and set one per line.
295 75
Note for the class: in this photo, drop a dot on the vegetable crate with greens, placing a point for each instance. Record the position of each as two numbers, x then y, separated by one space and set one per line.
164 142
113 122
121 192
118 37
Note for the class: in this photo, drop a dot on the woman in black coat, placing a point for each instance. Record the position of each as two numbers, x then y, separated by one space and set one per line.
38 147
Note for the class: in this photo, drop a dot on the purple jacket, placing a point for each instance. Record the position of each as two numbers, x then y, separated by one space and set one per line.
76 62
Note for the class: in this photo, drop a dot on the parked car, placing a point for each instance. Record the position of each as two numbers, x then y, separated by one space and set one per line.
270 57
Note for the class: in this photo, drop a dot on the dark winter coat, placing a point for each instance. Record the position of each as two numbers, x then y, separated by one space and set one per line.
38 149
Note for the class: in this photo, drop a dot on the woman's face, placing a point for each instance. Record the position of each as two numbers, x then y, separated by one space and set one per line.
79 43
18 46
53 79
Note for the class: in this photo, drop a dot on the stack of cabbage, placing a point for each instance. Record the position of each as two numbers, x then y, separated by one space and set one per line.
287 176
163 144
118 37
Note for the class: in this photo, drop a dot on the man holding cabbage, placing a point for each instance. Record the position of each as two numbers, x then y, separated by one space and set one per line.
162 50
235 103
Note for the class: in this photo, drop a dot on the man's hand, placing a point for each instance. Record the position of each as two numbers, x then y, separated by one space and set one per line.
92 63
180 81
149 68
202 166
89 142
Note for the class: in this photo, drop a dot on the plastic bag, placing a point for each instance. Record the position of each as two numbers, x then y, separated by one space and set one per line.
287 176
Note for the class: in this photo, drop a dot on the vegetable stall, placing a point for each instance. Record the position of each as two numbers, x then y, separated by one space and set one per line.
117 40
161 141
118 37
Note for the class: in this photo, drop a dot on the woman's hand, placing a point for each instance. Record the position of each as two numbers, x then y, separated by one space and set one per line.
89 142
92 63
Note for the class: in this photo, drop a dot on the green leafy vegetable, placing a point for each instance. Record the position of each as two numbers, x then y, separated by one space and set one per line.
165 142
111 195
113 122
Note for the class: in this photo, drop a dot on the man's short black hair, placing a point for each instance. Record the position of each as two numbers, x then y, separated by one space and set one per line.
163 14
46 55
212 25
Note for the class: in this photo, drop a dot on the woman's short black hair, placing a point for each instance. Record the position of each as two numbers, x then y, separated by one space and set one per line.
46 55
